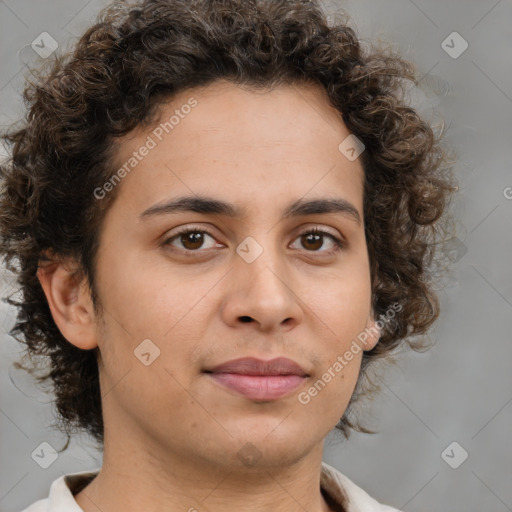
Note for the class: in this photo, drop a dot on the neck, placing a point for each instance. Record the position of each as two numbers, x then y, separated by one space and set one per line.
134 480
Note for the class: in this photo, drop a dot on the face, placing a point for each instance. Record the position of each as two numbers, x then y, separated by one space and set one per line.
251 280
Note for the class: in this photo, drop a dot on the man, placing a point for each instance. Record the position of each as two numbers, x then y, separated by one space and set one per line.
224 214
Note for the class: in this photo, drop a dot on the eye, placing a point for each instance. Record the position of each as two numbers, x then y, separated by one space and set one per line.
191 239
315 238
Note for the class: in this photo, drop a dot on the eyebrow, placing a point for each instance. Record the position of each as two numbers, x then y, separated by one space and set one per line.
208 205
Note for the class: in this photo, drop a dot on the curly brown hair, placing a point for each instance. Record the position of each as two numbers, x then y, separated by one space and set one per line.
137 55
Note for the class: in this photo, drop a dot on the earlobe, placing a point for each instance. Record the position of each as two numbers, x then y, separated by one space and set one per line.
70 304
373 332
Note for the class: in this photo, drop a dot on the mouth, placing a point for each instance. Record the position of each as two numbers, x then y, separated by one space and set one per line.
259 380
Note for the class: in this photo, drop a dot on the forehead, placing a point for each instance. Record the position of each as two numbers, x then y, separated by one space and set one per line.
225 140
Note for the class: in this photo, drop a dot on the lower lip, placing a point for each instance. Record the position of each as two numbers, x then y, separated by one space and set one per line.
259 387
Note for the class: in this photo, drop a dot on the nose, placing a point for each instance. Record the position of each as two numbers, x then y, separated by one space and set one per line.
262 293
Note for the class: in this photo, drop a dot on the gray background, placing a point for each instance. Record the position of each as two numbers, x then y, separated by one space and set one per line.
460 390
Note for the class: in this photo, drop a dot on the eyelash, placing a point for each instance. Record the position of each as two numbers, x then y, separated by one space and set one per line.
338 244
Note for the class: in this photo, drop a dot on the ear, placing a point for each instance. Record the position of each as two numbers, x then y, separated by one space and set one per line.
373 332
70 303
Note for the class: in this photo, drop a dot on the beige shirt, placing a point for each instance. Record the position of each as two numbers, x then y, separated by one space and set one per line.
340 493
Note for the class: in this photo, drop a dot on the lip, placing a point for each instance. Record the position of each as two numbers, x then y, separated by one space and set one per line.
257 379
254 366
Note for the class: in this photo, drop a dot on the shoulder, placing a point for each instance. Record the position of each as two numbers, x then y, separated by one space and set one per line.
343 490
62 490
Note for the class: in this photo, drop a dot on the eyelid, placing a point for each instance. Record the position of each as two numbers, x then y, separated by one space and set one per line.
321 229
186 229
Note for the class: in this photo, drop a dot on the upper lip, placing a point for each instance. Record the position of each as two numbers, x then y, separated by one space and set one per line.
254 366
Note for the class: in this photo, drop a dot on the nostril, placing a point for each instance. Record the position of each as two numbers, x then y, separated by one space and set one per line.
246 319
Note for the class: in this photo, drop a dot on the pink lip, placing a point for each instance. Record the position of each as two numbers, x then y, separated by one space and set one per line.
259 380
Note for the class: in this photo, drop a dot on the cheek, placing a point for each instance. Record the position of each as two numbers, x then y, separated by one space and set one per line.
144 300
341 311
343 305
147 348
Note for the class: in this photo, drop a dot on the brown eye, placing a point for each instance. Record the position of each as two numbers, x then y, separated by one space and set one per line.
314 239
190 239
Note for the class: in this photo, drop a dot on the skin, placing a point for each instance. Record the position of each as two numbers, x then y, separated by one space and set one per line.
172 436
